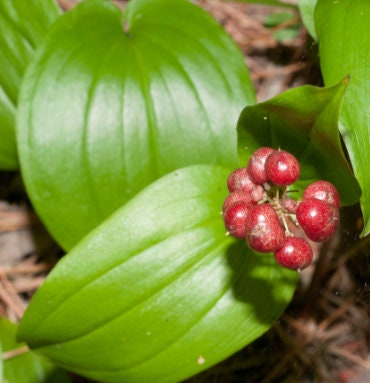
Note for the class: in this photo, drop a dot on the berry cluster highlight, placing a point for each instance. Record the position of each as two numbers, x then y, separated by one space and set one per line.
260 211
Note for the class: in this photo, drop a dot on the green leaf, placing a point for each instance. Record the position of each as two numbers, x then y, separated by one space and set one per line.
23 27
274 19
107 107
27 367
303 121
307 11
1 364
157 292
344 42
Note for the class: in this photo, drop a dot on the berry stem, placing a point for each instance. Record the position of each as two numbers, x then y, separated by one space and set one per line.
285 224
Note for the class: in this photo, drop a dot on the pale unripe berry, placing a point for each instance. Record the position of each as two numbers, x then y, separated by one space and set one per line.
296 254
318 219
323 190
264 232
289 205
239 180
256 165
235 218
282 168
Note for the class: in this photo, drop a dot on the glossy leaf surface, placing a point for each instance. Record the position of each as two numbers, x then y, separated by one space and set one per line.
110 105
344 42
307 11
27 367
303 121
23 27
158 292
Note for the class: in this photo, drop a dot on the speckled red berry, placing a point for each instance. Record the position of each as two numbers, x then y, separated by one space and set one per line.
324 191
318 219
236 196
256 165
264 232
239 180
235 218
295 254
282 168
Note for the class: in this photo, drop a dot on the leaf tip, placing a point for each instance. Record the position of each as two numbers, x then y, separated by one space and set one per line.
346 79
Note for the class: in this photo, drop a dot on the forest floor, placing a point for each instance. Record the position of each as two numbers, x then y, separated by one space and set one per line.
324 334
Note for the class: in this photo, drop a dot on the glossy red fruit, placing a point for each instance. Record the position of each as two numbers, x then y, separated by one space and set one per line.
236 196
295 254
256 165
235 218
239 180
318 219
282 168
324 191
264 232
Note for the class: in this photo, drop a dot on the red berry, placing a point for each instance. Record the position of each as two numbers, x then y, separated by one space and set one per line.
236 196
256 165
235 218
324 191
295 254
239 180
318 219
282 168
264 232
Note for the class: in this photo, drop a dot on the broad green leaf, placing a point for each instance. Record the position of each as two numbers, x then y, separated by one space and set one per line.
344 42
307 11
157 292
23 27
26 367
109 105
303 121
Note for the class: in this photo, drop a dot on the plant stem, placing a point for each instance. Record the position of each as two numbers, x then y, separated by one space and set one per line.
16 352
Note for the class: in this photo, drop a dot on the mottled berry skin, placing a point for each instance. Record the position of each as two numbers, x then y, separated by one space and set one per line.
324 191
258 194
318 219
264 232
239 180
282 168
290 205
236 196
256 165
295 254
235 218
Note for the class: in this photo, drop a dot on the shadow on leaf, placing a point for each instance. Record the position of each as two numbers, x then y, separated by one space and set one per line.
265 287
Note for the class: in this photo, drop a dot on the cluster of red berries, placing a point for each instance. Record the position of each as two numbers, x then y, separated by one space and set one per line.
259 210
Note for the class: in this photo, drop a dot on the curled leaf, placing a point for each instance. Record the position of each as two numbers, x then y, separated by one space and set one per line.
303 121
